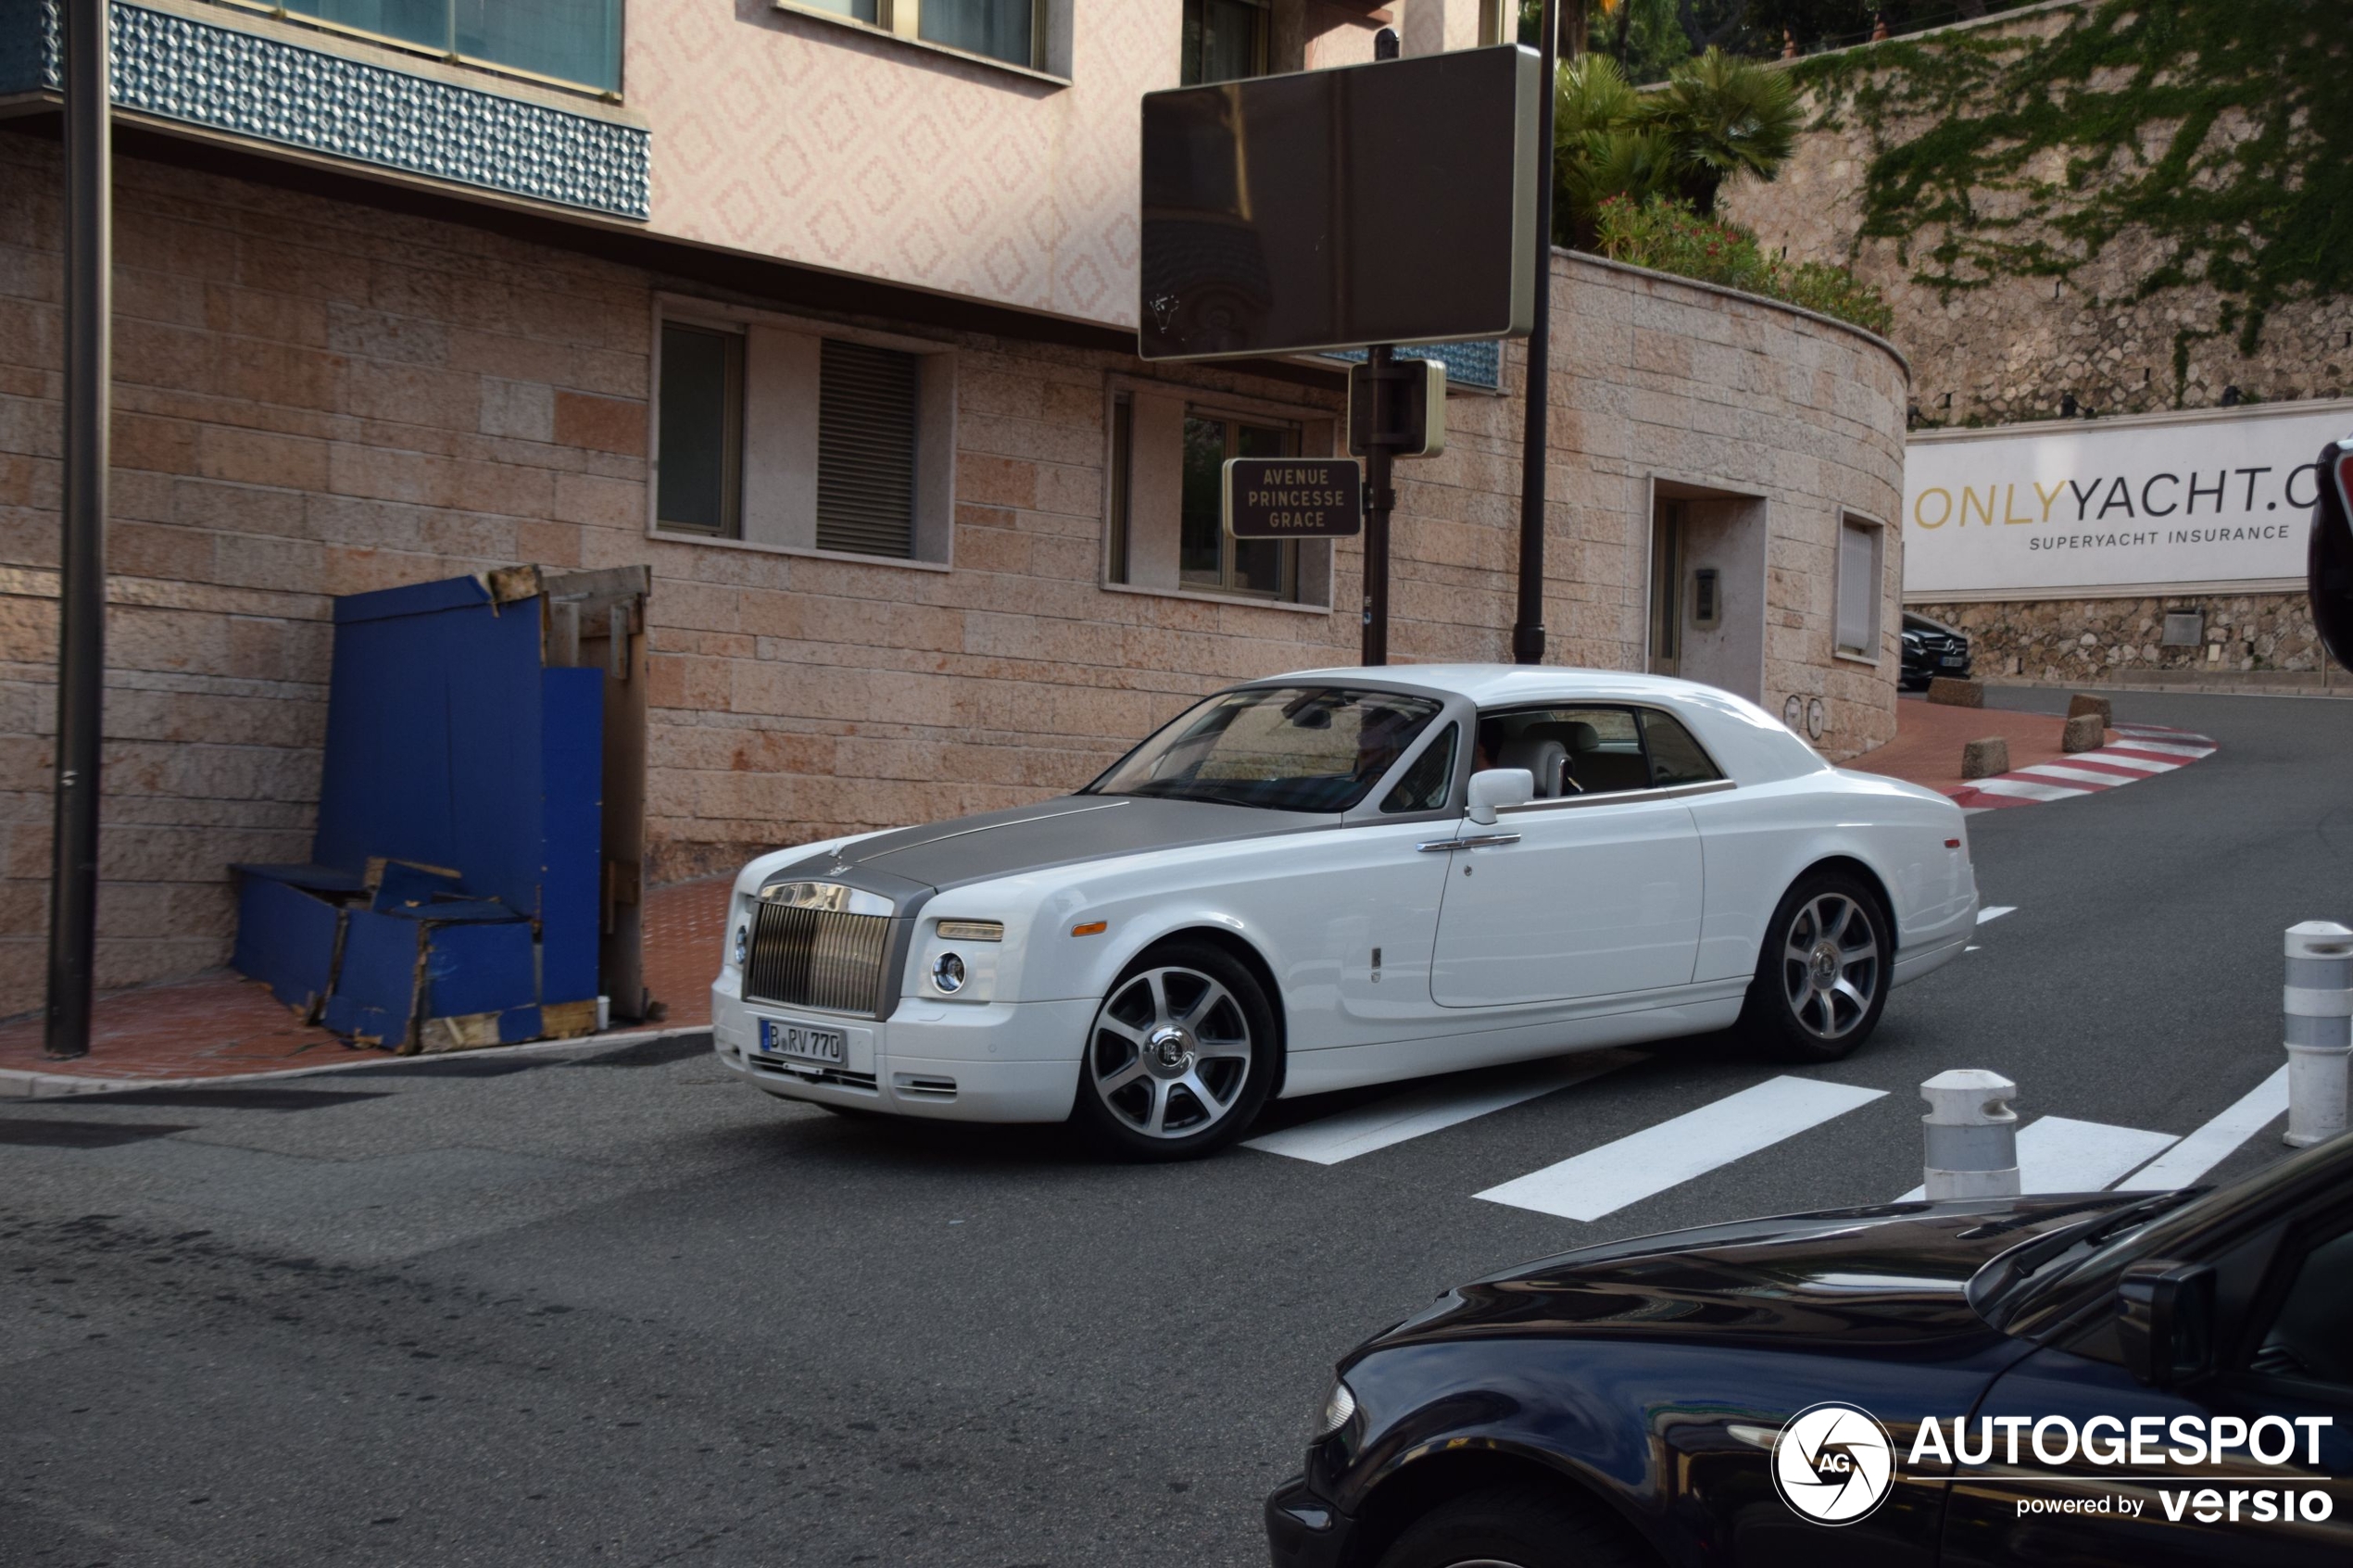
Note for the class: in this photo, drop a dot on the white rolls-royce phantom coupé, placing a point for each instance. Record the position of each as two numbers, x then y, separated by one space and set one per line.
1344 877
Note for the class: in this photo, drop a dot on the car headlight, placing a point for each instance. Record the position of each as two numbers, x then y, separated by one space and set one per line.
947 974
1338 1410
743 945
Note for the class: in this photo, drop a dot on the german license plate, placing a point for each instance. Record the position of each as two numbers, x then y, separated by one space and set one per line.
802 1042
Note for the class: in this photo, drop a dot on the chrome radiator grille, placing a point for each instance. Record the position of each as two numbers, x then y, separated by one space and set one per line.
809 957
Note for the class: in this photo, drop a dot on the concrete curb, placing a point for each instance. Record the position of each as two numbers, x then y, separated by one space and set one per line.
17 1083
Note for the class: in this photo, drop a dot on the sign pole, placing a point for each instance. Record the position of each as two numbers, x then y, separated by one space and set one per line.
1528 632
81 577
1379 499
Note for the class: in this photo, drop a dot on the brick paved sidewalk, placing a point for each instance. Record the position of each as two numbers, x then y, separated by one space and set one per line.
221 1026
1928 737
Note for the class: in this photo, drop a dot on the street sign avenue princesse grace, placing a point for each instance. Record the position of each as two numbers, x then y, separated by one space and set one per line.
1293 498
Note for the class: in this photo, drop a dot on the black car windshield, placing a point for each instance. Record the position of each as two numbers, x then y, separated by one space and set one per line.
1287 749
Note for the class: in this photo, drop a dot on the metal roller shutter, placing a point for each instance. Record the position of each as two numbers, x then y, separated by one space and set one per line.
866 450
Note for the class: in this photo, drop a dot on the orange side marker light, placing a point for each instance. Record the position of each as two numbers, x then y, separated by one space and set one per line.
1092 928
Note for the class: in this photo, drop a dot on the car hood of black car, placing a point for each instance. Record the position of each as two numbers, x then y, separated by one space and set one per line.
1063 831
1897 1274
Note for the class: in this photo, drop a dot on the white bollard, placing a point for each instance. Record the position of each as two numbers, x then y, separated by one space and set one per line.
2319 1003
1971 1134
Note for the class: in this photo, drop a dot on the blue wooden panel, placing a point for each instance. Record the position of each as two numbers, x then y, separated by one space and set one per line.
376 988
412 599
572 771
285 939
477 968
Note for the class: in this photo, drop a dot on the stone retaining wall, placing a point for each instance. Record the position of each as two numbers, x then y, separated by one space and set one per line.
2060 641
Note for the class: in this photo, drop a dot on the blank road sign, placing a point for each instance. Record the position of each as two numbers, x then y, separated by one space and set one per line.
1386 203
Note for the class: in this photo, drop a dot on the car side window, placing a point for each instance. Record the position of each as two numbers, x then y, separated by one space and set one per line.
2311 1338
1427 782
1675 757
1570 751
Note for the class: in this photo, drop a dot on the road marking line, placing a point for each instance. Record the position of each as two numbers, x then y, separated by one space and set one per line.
2009 783
1995 911
2164 748
1601 1181
1331 1140
2074 775
2117 760
2061 1154
2210 1145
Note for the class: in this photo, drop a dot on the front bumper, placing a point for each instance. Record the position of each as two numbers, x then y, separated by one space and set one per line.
1303 1530
958 1061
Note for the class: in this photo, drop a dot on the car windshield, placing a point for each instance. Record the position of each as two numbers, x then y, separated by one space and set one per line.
1287 748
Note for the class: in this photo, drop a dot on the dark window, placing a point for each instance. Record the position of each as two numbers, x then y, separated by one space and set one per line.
866 450
575 40
1207 556
699 446
1675 757
1123 440
2312 1337
1225 40
1570 751
1290 748
1428 781
1003 30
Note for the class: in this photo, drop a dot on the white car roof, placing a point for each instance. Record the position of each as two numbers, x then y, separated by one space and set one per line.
1752 745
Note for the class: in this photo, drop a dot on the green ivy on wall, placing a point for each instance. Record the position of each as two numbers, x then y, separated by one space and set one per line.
2221 128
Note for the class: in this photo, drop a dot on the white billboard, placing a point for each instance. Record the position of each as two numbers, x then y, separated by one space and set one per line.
2220 499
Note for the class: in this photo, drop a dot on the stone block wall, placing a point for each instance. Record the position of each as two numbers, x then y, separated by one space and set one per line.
315 397
2089 640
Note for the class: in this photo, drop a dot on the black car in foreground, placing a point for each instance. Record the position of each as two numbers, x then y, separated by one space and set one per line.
1930 648
2126 1378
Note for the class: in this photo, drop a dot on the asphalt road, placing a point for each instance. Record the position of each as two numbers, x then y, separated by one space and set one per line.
622 1310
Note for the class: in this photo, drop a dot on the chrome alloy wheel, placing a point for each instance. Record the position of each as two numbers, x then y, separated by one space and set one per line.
1831 966
1169 1052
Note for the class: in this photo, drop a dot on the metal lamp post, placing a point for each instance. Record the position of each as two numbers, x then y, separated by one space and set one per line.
1528 631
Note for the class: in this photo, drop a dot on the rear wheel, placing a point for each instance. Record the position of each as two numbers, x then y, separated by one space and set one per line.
1516 1528
1179 1056
1821 980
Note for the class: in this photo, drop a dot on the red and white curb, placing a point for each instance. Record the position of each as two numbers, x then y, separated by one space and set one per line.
2139 752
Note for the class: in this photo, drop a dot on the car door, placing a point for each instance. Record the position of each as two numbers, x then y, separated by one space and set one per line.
2288 1385
1593 891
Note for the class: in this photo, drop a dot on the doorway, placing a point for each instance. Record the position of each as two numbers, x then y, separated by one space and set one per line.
1706 590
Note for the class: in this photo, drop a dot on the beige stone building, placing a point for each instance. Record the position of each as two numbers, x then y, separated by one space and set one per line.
823 312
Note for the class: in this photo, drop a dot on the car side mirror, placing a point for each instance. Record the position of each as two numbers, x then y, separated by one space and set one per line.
2165 1322
1494 788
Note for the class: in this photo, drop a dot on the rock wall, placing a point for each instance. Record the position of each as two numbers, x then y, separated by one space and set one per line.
2010 348
2088 640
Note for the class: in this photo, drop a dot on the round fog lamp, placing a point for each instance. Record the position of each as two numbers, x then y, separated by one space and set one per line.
743 945
949 974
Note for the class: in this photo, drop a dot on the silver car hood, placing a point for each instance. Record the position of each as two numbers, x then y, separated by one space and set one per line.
1063 831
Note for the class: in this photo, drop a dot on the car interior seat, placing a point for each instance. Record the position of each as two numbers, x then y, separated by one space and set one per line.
1546 761
1591 768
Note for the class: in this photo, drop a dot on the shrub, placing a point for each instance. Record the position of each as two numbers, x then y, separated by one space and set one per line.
1665 235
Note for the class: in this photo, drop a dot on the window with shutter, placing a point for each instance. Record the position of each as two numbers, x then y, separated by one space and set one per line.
1858 589
866 450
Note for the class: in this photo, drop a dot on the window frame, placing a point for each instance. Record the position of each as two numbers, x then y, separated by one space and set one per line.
935 531
1862 522
731 446
1319 433
1637 712
425 52
1262 44
1229 547
901 21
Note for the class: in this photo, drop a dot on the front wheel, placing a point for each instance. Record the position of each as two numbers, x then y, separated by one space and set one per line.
1821 980
1516 1528
1179 1056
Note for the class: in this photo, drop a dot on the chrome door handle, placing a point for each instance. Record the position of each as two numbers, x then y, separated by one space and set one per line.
1478 841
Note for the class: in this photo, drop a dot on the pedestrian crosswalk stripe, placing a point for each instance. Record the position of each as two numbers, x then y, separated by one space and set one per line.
2212 1144
2061 1154
1331 1140
1994 912
1601 1181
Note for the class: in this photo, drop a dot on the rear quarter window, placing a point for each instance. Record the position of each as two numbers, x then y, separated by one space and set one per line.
1675 757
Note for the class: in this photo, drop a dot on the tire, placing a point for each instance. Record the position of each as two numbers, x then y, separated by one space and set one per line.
1178 1057
1517 1527
1822 976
